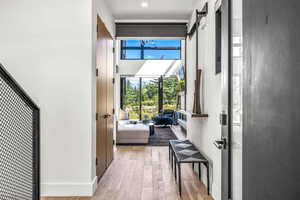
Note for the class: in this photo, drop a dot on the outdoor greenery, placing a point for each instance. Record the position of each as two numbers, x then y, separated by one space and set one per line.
170 91
132 98
149 97
171 87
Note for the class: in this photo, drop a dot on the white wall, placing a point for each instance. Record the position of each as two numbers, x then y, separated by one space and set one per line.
130 67
203 131
48 46
105 14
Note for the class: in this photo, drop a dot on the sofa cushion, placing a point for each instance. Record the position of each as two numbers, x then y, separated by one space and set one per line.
133 131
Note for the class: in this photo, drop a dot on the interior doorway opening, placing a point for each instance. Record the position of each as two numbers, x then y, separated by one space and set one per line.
151 81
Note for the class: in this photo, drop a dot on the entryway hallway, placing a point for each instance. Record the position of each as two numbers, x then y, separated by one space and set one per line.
144 173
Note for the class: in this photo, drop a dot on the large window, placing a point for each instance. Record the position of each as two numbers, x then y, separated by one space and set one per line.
131 96
171 88
139 96
150 97
150 49
145 97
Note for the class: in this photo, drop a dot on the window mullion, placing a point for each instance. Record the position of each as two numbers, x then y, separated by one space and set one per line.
140 98
131 51
142 52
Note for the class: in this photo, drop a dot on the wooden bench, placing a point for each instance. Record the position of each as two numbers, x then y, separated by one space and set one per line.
183 151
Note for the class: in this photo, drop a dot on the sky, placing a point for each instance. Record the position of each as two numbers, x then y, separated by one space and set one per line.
153 54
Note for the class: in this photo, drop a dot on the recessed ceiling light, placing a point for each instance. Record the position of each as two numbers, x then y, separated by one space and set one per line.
144 4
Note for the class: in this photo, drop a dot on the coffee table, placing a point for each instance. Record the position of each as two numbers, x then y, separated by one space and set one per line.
151 128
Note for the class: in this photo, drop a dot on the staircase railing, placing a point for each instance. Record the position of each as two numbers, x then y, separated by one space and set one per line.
19 142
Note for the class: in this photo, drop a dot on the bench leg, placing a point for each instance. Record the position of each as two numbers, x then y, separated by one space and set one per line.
193 165
179 178
169 153
208 183
172 160
175 170
199 171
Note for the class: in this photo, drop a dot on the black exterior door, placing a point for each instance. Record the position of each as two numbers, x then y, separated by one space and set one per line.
271 138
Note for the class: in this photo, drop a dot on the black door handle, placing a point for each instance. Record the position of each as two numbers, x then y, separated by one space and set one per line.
221 144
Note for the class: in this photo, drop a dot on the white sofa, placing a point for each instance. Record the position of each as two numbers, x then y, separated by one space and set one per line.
128 133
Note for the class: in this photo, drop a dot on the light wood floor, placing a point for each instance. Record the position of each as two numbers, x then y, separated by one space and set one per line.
144 173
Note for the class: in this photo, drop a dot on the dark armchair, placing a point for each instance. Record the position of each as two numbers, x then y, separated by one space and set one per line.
167 117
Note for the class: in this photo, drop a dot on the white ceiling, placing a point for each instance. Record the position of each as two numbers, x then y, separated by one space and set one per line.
157 9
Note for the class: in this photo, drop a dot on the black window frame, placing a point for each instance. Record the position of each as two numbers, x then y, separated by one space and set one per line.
218 44
142 49
160 82
123 92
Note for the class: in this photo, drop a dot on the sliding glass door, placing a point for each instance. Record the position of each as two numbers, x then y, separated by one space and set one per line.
171 88
131 97
149 97
145 97
140 97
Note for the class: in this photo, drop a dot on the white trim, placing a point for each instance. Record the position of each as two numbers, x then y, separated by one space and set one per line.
69 189
150 21
218 4
216 192
203 23
94 185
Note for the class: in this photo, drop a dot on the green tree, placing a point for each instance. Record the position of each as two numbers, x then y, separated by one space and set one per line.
131 98
149 89
170 91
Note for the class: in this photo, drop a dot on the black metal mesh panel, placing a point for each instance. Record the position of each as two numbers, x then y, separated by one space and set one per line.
17 178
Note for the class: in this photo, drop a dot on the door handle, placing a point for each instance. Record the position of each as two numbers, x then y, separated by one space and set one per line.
106 116
221 144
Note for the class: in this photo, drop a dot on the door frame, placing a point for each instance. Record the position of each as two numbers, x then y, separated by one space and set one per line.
99 24
226 115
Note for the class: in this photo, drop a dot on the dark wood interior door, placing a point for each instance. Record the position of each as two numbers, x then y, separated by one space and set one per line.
101 101
109 99
104 124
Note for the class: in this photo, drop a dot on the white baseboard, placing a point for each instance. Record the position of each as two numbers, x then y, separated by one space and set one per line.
216 192
95 184
69 189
